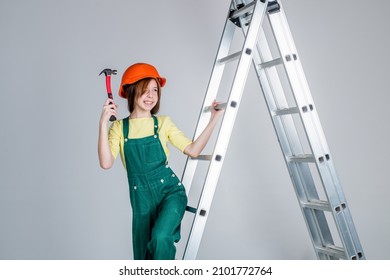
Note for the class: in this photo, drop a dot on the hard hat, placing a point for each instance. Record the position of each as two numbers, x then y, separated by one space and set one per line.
138 72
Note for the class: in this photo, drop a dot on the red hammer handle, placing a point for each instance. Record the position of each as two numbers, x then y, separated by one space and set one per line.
108 86
109 93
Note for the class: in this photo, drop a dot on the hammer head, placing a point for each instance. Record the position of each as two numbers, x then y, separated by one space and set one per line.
108 72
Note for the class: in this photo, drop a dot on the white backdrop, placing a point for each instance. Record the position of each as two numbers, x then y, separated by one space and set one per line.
55 201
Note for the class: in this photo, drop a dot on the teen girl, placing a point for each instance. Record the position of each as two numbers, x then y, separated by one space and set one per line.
158 198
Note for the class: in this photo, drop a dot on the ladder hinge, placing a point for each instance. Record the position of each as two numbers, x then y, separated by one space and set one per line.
273 7
236 20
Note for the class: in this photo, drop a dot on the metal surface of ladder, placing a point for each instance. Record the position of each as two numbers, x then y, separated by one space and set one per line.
307 157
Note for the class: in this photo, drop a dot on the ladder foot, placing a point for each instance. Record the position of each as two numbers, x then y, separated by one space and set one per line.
358 256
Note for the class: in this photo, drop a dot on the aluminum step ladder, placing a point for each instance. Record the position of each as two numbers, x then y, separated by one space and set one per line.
293 113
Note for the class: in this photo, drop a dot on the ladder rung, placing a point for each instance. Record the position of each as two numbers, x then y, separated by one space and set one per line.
317 204
203 157
243 10
191 209
286 111
219 107
302 158
333 251
230 58
271 63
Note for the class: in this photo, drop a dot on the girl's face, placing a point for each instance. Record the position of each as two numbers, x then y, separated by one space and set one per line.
148 99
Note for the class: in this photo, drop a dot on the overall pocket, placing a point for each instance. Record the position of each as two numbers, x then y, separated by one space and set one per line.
152 153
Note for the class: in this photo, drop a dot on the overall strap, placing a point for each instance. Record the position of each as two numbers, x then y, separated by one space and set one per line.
125 128
155 125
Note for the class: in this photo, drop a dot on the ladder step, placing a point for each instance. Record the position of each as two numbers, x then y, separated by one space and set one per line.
208 157
302 158
203 157
286 111
271 63
332 250
219 107
317 204
191 209
230 58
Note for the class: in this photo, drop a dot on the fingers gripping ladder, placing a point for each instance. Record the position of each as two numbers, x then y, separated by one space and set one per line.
307 157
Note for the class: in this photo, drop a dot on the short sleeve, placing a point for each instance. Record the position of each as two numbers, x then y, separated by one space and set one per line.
175 136
115 135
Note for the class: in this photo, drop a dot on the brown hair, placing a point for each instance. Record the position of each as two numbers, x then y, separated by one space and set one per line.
135 90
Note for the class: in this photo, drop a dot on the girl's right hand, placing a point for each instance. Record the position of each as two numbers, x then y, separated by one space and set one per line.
109 109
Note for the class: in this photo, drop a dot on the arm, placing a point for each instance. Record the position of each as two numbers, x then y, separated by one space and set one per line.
106 159
196 147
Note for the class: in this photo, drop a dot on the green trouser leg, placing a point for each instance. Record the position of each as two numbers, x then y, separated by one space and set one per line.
156 229
166 229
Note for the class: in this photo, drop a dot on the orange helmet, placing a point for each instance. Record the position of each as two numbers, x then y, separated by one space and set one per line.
138 72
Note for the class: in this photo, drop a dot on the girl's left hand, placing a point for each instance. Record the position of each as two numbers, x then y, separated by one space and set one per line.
216 112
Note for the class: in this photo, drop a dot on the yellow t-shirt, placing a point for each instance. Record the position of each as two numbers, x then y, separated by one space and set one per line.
143 127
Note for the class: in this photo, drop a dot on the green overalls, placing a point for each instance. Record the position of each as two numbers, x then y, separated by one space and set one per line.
158 199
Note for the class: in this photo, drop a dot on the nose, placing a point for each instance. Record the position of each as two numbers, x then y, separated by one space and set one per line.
150 93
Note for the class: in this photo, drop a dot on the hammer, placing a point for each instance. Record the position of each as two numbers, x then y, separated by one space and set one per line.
108 72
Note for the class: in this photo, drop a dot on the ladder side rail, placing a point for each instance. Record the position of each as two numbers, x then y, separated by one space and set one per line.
289 142
225 132
210 95
316 135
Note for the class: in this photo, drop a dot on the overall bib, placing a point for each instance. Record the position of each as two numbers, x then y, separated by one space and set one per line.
158 199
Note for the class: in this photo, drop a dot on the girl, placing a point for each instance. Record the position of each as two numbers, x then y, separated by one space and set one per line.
158 198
